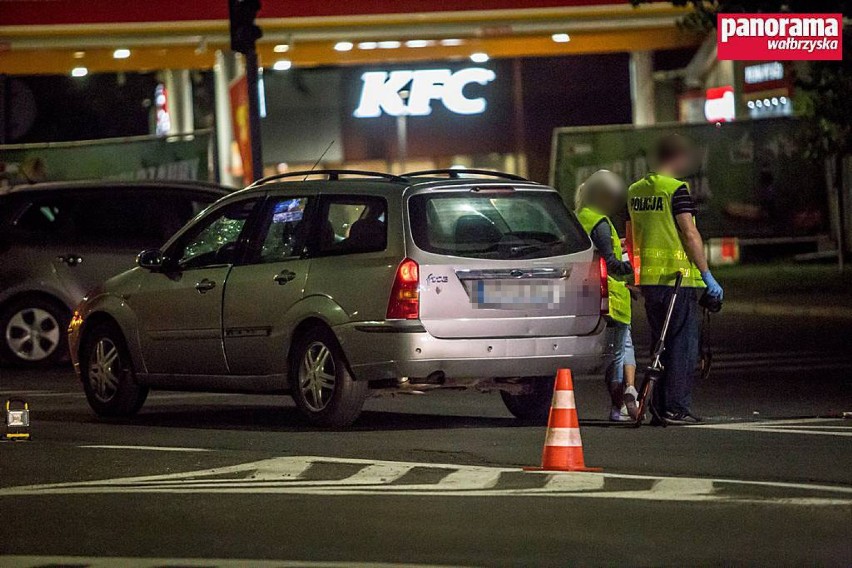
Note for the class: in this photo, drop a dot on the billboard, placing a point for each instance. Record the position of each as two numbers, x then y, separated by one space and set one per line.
239 97
183 157
753 178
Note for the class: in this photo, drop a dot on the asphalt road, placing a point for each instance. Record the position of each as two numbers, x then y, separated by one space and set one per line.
225 480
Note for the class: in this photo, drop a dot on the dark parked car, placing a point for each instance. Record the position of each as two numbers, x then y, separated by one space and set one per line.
60 240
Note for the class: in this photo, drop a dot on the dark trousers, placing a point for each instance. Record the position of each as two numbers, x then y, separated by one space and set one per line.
682 344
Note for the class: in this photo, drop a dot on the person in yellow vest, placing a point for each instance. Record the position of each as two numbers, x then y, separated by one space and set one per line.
596 200
666 241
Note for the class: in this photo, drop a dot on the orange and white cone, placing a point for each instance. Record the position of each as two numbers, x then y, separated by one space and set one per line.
563 448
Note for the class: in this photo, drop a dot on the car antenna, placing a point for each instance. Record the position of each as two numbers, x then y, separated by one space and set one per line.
327 148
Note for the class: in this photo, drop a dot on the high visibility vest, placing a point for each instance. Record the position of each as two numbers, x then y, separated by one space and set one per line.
657 249
619 295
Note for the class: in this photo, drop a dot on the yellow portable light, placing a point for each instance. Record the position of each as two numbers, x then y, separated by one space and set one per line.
17 420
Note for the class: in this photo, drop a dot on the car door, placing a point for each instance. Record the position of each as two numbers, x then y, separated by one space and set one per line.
265 286
180 307
97 232
60 236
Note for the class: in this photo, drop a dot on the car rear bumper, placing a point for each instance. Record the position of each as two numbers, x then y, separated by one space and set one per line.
381 351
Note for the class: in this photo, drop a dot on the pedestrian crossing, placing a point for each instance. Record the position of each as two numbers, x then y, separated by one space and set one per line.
326 476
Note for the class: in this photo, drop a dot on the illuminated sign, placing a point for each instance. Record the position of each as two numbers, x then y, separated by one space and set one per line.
382 92
764 72
720 105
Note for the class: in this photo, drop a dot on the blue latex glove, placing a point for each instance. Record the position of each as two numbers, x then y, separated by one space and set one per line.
713 287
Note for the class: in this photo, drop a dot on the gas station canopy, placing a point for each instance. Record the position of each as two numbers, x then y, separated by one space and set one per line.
56 36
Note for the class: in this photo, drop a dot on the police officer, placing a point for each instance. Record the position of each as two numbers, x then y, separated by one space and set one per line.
597 199
666 241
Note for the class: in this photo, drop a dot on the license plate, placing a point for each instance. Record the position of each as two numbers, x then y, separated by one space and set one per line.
515 295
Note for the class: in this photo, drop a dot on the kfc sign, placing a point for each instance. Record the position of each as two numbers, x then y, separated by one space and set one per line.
382 92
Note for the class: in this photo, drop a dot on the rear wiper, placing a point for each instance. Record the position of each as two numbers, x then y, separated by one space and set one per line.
525 249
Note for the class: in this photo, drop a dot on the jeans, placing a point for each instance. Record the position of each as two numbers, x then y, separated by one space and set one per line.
618 336
680 357
629 352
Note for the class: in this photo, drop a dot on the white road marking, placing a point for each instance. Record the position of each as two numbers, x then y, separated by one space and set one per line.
27 394
676 487
807 426
166 395
272 470
470 478
791 431
130 562
800 427
377 473
161 395
774 355
562 483
293 475
146 448
756 308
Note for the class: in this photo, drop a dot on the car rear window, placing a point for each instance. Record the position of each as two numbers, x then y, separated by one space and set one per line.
495 225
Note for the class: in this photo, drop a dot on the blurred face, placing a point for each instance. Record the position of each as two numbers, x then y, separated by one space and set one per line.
610 202
609 194
684 164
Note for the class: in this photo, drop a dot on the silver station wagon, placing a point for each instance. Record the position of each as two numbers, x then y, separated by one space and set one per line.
348 283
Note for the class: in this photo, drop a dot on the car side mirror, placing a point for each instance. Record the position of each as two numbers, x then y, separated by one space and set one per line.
151 259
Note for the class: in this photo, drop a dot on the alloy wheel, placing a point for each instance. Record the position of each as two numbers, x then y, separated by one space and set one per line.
33 334
317 376
105 369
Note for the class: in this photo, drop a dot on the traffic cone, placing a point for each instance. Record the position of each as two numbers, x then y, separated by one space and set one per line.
563 448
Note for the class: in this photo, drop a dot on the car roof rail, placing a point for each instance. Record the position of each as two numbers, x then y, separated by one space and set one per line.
455 173
331 175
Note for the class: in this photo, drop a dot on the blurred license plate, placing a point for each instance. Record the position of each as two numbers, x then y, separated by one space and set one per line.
515 295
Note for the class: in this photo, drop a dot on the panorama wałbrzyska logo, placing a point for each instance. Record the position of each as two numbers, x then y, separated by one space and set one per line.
756 37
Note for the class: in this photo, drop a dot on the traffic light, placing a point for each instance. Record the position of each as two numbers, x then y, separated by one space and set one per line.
244 32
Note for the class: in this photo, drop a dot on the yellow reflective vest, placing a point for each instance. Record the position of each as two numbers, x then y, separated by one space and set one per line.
658 253
619 295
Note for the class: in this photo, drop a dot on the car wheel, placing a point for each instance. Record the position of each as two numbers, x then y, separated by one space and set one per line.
534 405
107 373
33 332
321 384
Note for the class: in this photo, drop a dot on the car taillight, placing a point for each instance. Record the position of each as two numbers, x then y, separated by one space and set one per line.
604 289
404 300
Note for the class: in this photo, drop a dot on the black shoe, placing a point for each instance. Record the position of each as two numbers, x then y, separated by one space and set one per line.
681 418
656 419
